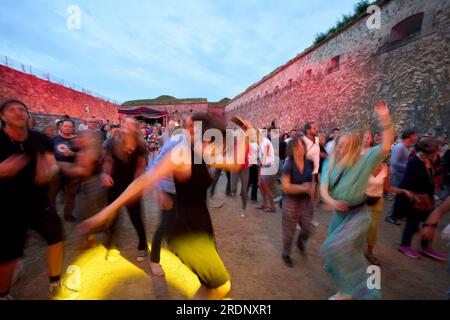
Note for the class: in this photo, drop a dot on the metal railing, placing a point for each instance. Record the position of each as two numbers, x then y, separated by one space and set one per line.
16 65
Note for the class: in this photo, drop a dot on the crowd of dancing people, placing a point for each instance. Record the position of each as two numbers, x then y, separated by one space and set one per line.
112 165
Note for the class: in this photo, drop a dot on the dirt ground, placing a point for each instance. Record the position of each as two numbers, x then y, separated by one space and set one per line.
251 250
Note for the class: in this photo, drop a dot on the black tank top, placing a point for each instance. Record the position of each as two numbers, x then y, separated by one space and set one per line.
191 211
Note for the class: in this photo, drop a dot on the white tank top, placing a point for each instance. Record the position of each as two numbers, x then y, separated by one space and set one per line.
375 186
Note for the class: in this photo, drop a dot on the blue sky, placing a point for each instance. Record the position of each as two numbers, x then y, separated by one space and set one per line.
143 49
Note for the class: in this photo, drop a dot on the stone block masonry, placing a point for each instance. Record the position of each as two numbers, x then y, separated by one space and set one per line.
337 82
47 100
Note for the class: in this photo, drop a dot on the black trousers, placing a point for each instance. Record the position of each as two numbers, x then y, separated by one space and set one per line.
216 178
253 182
161 231
413 221
135 213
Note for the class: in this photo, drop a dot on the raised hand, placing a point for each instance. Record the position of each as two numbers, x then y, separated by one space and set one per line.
382 112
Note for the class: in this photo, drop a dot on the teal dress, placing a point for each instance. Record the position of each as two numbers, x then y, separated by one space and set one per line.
343 249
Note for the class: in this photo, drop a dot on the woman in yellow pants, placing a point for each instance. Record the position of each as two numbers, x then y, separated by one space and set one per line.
379 182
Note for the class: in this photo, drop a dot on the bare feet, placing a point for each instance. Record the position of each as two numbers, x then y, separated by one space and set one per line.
156 269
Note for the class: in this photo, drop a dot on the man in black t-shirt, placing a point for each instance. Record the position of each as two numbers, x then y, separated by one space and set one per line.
65 151
26 166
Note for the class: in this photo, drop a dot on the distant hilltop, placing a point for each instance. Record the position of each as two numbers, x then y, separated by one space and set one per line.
166 99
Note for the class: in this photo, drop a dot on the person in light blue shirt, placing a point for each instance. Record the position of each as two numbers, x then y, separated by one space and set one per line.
399 159
166 198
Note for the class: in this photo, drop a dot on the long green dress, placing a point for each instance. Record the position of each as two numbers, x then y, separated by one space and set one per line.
343 249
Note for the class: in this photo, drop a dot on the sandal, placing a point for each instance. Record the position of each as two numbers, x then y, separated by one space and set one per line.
270 210
261 207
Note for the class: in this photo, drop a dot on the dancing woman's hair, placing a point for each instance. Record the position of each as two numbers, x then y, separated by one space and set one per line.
292 144
208 122
350 157
135 133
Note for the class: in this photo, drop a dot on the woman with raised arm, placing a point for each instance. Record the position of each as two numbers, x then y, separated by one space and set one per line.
190 234
344 182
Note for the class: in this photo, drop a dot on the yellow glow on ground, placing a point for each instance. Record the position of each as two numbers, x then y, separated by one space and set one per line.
99 277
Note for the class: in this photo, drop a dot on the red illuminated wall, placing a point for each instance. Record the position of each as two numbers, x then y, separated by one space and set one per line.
413 76
47 98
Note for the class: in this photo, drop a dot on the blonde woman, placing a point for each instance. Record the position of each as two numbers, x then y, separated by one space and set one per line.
344 182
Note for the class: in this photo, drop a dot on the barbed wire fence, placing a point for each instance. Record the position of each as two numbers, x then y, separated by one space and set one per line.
16 65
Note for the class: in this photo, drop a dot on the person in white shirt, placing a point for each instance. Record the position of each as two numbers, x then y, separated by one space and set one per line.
379 182
83 125
268 173
330 144
311 139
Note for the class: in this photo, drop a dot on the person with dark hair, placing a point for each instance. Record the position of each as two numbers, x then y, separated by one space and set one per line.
311 139
49 131
87 167
419 180
190 234
27 165
65 151
298 189
268 172
399 159
124 161
166 195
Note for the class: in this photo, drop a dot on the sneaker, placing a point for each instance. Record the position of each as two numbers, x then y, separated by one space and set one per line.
70 217
430 252
142 256
409 252
112 255
288 261
7 297
392 220
277 199
59 291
